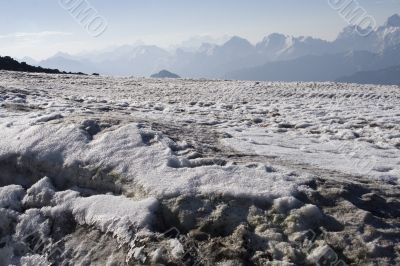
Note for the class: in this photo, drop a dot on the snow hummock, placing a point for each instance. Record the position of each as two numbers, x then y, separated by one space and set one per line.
123 150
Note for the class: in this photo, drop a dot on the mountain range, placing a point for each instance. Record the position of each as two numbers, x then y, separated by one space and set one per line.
276 57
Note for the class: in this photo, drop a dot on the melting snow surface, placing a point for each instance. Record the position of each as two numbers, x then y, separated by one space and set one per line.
112 162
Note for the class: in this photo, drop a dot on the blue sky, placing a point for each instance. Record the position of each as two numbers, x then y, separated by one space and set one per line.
40 28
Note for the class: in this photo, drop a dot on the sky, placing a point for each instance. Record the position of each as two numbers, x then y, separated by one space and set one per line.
41 28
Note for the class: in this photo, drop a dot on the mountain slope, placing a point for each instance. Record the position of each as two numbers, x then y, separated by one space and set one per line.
387 76
8 63
320 68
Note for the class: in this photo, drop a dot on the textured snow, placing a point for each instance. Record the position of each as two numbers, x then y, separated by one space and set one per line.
153 167
338 152
40 194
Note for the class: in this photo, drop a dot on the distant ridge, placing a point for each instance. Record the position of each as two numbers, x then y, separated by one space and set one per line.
10 64
165 74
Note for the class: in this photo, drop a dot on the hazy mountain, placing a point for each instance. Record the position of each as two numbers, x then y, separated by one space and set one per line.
138 61
124 60
387 76
165 74
209 60
213 61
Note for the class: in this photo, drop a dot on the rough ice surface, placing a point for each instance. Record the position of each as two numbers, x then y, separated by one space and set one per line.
39 195
10 197
128 171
